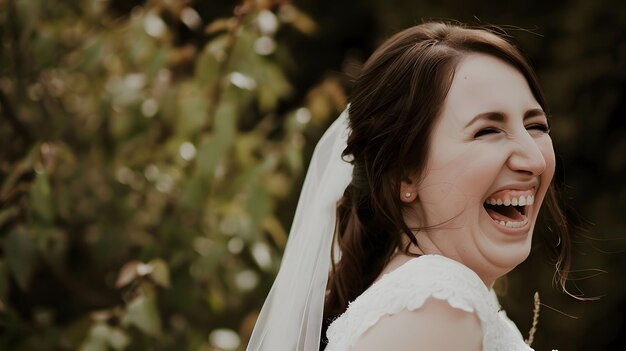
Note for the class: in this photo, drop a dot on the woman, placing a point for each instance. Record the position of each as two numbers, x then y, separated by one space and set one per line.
450 159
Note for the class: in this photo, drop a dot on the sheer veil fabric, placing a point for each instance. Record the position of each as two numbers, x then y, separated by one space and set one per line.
291 317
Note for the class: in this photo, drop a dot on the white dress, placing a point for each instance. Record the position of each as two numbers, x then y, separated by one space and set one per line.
407 288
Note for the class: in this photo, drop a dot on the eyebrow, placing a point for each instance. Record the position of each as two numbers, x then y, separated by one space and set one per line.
500 117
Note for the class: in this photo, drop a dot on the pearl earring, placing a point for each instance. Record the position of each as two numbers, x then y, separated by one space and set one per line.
408 195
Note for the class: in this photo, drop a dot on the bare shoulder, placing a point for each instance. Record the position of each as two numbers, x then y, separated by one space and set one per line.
434 326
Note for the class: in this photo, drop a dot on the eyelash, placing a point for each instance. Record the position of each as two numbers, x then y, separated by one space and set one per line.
541 127
486 131
490 130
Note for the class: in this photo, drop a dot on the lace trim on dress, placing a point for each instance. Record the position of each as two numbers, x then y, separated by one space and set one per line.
409 286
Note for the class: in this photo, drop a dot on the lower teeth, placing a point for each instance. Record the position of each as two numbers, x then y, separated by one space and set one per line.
513 224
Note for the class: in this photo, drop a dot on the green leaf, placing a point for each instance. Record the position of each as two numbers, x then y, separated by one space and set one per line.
225 123
209 155
272 225
195 191
91 54
160 273
259 205
139 46
207 66
192 109
293 157
94 345
118 339
168 106
103 334
214 147
121 124
251 175
157 61
143 314
274 85
216 300
21 258
204 266
244 57
40 199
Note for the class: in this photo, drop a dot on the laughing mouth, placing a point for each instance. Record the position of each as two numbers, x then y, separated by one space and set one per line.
510 210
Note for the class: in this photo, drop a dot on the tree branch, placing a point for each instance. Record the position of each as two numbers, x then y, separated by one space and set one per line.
240 12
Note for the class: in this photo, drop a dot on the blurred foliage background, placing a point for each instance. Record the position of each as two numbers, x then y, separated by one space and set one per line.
151 153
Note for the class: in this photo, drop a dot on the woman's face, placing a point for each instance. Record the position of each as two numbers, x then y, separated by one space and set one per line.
490 150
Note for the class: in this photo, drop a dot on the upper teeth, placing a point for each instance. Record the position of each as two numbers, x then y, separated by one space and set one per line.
515 201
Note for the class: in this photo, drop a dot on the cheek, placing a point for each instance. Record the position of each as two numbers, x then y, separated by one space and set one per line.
457 181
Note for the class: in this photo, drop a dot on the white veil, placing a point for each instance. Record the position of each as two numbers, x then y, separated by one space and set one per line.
291 317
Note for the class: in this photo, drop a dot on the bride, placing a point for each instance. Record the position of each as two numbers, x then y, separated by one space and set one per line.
422 193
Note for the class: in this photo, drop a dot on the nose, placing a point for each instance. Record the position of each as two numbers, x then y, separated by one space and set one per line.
526 156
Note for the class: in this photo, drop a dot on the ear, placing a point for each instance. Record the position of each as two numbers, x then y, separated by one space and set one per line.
408 190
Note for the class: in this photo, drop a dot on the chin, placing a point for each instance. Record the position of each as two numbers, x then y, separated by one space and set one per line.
509 255
506 247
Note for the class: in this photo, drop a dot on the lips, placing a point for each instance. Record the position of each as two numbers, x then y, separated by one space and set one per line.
510 208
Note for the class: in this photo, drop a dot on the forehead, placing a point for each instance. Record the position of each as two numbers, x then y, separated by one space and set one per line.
484 83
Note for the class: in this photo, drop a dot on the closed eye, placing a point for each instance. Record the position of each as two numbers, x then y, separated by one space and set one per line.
540 127
486 131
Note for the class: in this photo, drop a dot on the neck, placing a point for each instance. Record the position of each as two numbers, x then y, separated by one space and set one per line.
428 247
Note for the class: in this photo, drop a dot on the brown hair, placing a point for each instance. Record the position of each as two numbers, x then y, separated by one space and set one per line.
394 104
